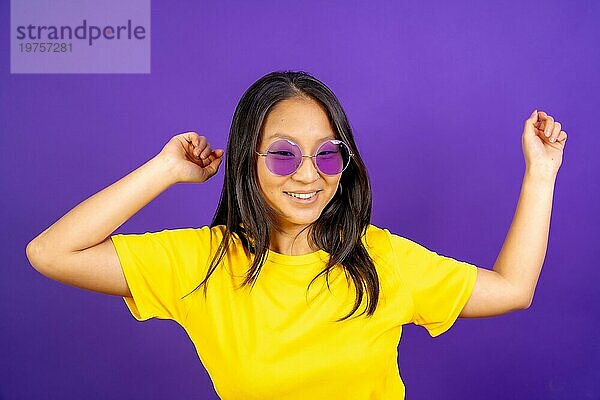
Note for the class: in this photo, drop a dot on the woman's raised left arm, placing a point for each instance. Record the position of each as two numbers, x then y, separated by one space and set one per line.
511 284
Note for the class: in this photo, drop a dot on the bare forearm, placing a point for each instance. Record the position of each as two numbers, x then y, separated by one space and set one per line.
511 285
94 219
522 255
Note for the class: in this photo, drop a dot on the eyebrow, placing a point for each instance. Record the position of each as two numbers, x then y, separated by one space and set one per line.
284 136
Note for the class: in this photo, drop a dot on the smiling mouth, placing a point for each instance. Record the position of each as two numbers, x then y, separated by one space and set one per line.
303 196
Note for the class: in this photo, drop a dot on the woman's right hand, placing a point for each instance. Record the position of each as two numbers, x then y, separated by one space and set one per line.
190 158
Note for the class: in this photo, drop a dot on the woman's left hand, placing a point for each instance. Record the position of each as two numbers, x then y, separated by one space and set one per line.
543 144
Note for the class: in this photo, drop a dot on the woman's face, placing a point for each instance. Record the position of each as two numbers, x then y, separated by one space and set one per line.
305 123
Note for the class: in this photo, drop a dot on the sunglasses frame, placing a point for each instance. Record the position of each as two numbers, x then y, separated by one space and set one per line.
313 157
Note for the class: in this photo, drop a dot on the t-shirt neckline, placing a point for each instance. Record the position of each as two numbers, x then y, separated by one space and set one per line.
318 256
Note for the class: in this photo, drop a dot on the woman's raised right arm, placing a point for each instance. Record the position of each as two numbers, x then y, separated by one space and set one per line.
77 249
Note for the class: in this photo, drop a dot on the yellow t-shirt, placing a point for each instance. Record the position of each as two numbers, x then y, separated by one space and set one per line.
277 341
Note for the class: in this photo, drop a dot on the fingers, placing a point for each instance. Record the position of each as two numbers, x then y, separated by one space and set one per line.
203 149
200 148
541 120
214 163
533 117
562 136
219 152
191 138
548 127
555 131
211 164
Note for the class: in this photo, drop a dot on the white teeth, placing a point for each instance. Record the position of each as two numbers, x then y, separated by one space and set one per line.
302 195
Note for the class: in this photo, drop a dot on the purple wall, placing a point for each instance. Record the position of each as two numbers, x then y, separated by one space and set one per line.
437 95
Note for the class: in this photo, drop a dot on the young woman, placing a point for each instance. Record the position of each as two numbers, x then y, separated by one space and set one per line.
290 292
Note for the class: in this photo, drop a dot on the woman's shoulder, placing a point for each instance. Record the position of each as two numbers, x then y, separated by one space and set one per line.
376 236
213 234
380 232
374 232
381 240
181 237
200 231
377 239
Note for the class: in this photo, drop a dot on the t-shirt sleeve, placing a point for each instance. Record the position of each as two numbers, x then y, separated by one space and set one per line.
439 286
161 268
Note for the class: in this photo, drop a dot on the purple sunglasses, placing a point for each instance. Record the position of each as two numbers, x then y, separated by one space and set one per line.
283 157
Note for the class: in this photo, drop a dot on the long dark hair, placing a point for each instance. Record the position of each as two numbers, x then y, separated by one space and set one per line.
244 211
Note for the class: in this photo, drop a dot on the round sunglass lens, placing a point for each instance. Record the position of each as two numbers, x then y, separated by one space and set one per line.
283 157
333 157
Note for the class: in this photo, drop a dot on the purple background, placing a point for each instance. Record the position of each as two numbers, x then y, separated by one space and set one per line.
437 95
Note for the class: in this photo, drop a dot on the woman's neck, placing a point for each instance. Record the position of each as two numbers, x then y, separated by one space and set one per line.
292 242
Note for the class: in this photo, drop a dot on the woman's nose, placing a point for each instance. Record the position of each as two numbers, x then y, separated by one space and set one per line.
307 171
